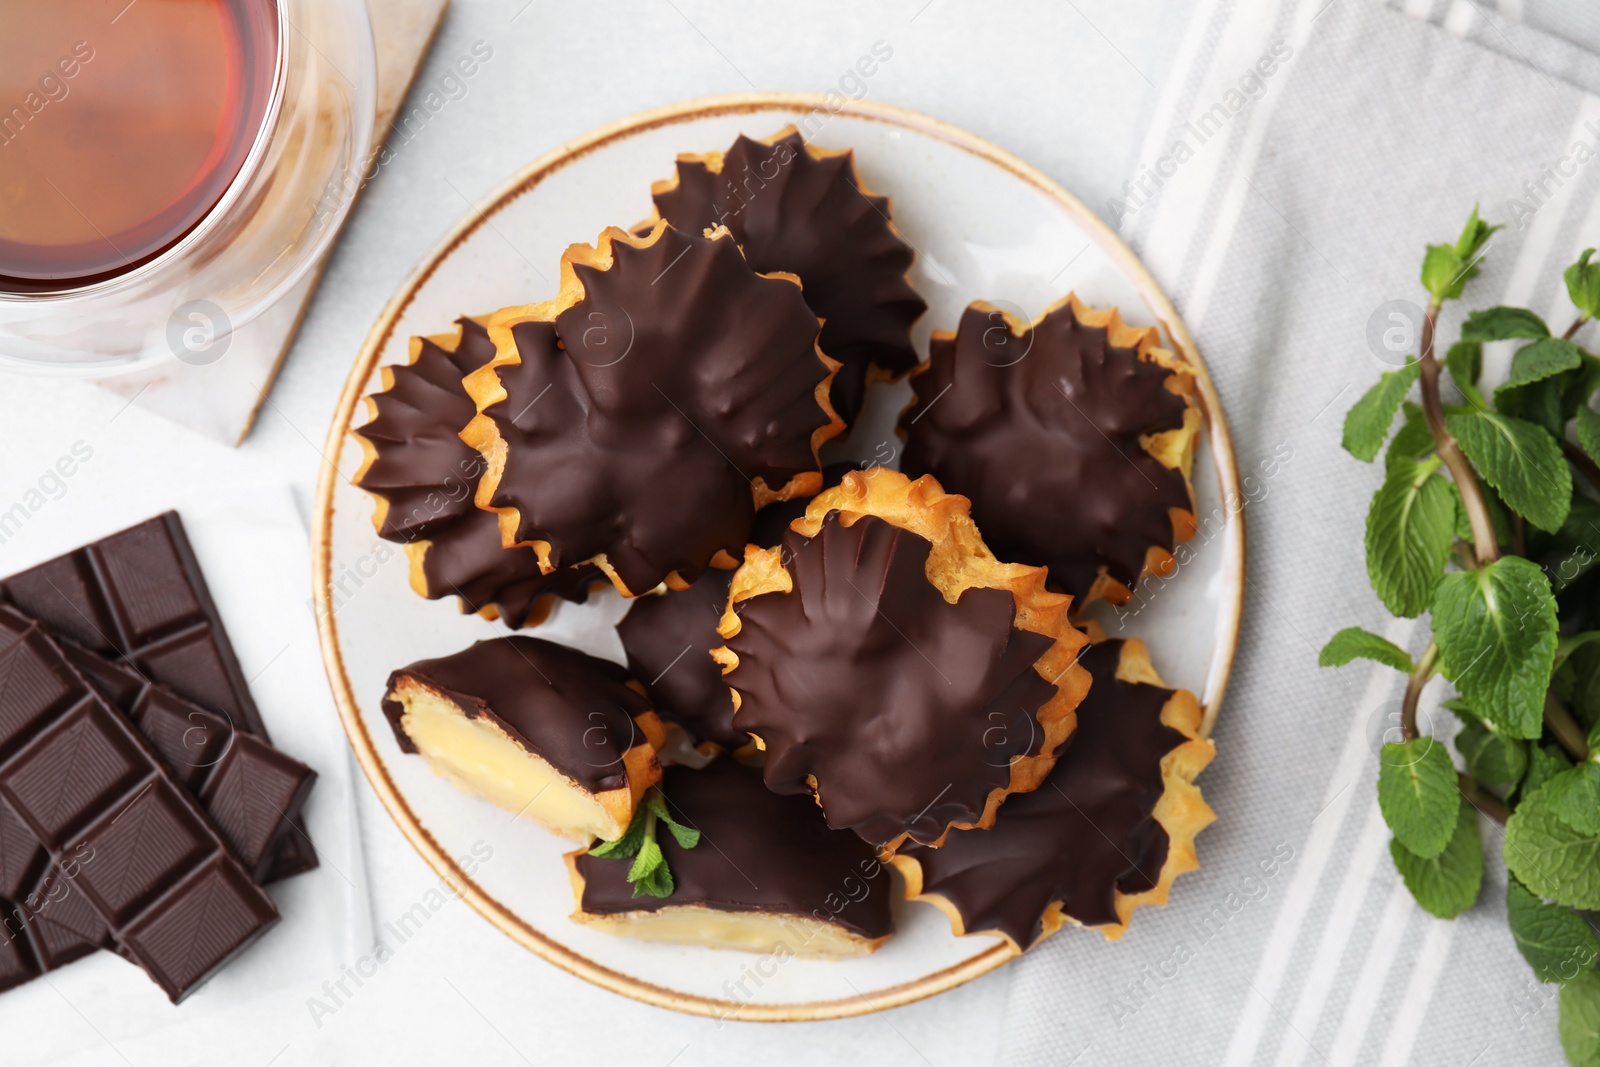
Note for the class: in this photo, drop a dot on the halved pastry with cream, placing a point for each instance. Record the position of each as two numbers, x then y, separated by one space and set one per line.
767 874
547 732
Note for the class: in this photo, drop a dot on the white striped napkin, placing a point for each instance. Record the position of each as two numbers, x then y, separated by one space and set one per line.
1301 155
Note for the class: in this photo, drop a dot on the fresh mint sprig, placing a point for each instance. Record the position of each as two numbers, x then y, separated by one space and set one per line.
649 874
1487 519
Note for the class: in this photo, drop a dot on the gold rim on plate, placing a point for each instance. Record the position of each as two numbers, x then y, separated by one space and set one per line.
356 386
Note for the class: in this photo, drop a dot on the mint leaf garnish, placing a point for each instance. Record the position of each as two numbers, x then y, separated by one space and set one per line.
626 845
649 858
1409 527
1418 794
648 873
1496 631
1521 460
1448 883
1574 796
686 836
1555 941
1502 324
1366 426
1353 642
1580 1020
1550 857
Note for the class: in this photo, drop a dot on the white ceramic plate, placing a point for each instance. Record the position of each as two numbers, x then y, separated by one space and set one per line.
985 226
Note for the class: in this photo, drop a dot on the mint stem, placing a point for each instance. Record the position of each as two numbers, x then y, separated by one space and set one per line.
1577 324
1565 727
1483 539
1414 686
1584 465
1482 799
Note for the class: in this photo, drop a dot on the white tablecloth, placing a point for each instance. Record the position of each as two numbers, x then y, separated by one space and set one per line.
1071 87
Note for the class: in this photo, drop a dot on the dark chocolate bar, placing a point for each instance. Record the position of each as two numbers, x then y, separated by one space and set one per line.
250 790
79 776
139 595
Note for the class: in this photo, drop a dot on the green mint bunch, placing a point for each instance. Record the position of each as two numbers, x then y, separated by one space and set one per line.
649 874
1488 521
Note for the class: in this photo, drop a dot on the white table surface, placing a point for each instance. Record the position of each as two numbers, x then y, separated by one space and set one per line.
1065 86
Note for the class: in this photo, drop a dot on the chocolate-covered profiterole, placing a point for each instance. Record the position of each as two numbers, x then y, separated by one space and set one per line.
886 662
1111 827
639 419
541 729
669 637
767 876
795 207
1073 439
424 477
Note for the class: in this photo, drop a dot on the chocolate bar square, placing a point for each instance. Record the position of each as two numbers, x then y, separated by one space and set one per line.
79 776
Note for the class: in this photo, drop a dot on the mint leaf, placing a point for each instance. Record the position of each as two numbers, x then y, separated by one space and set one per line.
1521 460
1545 358
1353 642
1555 941
1412 441
1366 425
1585 664
1446 269
1574 796
658 883
1589 432
1502 324
1544 763
650 857
1490 758
1464 361
1537 387
626 845
1409 527
1580 1020
686 836
1583 283
1496 631
1550 857
1446 884
1418 794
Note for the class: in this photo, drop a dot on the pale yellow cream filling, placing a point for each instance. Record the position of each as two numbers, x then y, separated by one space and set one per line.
480 758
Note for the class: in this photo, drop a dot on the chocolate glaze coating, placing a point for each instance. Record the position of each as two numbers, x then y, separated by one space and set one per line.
758 852
428 476
905 708
571 709
680 378
1046 444
1084 834
793 212
668 638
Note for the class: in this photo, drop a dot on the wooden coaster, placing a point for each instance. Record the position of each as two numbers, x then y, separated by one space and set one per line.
220 400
